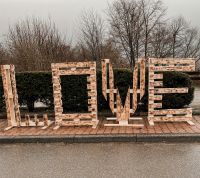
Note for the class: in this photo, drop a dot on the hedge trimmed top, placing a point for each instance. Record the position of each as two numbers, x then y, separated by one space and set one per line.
33 87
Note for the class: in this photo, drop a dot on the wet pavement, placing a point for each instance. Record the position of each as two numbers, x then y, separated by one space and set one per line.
110 160
196 101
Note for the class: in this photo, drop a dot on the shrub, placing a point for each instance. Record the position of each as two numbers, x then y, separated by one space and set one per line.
38 87
173 101
33 87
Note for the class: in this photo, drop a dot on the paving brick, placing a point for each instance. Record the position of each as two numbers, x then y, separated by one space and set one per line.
159 128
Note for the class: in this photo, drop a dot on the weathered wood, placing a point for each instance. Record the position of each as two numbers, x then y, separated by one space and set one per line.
142 77
173 111
111 87
8 128
157 76
75 68
78 116
125 125
76 72
190 123
46 120
69 65
171 119
170 90
104 79
15 95
167 115
131 118
79 123
157 83
173 68
27 120
10 94
175 61
156 97
122 112
36 119
11 100
135 85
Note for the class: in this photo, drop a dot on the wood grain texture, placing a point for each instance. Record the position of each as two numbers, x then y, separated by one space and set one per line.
142 77
10 94
75 68
155 92
135 86
123 112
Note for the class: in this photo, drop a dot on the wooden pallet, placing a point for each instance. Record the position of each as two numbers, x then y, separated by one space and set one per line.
11 100
123 113
75 68
35 122
155 113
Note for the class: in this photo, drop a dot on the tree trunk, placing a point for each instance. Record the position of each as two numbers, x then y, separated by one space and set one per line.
174 43
146 45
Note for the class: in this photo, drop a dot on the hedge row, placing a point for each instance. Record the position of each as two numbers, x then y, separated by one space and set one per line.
38 87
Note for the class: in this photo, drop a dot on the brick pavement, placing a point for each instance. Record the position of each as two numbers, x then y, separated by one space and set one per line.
159 128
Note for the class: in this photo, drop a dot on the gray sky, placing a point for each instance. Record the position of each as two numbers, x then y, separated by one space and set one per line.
66 13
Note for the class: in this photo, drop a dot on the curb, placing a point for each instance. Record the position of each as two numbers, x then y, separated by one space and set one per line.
137 138
168 138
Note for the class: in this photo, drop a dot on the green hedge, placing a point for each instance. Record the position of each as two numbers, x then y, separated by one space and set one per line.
38 86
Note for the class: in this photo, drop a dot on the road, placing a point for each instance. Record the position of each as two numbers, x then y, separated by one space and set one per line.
195 103
103 160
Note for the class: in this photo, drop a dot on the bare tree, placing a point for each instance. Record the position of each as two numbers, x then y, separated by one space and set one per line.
177 28
190 43
34 44
126 27
132 22
92 34
109 51
153 12
161 41
2 53
4 57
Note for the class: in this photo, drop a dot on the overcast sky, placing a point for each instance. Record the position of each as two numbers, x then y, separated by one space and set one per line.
65 13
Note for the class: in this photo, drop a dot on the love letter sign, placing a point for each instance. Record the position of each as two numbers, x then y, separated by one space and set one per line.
156 67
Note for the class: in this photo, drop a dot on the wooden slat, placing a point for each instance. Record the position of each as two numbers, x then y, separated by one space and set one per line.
176 61
158 76
127 106
81 123
174 68
155 105
104 79
135 85
171 119
15 95
73 65
119 106
111 87
156 98
173 111
170 90
157 83
76 72
142 77
9 95
78 116
125 125
151 77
